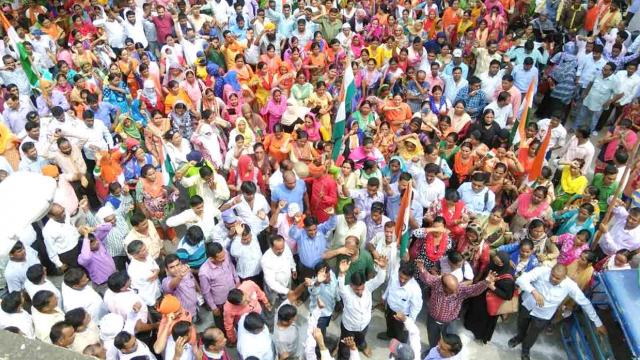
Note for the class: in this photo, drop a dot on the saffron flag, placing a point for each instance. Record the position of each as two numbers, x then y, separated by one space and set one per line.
518 129
18 46
347 93
538 161
402 222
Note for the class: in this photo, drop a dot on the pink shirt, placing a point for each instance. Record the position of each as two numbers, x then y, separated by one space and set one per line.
232 313
433 81
568 252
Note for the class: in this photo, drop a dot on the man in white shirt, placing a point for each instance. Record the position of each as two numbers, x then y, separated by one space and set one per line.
558 133
78 293
133 26
98 136
543 290
200 214
491 79
129 347
247 254
210 185
112 25
254 338
403 295
61 238
179 342
502 109
143 271
278 268
122 300
358 303
251 207
13 314
37 280
20 259
579 146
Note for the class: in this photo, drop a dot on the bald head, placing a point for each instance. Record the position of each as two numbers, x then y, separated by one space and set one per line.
450 283
56 212
289 179
351 242
558 274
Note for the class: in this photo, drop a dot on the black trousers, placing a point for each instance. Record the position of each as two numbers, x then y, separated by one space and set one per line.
358 336
529 327
395 328
435 329
70 257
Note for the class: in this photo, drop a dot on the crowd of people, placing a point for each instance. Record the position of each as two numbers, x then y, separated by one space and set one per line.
202 172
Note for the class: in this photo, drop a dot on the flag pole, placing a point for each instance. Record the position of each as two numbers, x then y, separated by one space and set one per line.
625 180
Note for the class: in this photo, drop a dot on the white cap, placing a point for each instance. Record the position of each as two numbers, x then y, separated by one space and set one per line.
457 53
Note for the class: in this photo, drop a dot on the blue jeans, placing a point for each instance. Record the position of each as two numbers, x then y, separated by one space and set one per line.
586 118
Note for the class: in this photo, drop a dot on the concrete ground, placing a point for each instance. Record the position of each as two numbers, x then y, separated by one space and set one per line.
548 347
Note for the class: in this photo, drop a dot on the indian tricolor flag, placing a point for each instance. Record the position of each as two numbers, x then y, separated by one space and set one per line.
518 129
17 45
347 93
402 222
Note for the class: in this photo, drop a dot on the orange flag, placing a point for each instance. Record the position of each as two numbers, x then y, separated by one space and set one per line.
536 166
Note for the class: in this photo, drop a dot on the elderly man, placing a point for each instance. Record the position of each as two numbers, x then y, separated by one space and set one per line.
446 300
61 238
543 290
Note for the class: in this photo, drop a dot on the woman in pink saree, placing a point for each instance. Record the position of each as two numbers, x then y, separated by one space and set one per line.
366 152
275 107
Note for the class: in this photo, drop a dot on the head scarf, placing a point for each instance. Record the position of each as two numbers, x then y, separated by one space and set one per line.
50 170
247 133
231 79
104 212
357 49
408 155
169 304
243 169
314 130
131 129
386 171
149 91
506 264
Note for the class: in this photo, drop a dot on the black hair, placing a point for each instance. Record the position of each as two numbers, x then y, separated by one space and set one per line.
181 328
56 333
11 302
73 276
117 281
121 339
253 322
454 342
42 299
35 273
75 317
287 312
213 249
235 296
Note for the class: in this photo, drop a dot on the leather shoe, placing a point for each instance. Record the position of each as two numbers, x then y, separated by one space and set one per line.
513 342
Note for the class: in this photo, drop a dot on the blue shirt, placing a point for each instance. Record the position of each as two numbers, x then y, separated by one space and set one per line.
328 293
522 78
479 203
473 104
310 250
449 69
104 113
296 195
